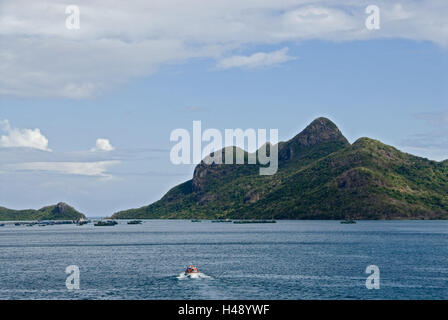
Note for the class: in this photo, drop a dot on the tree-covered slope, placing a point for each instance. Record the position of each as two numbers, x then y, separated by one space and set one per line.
60 211
320 176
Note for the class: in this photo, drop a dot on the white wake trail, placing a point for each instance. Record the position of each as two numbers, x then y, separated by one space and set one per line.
198 275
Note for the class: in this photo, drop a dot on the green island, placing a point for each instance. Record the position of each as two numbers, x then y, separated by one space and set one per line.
320 176
60 211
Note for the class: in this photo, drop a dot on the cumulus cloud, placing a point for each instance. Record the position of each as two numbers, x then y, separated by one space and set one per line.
102 145
29 138
132 39
98 169
256 60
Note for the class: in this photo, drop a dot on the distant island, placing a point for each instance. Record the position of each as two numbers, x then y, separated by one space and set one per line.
320 176
60 211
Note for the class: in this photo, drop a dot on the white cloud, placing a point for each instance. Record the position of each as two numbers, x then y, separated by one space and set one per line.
132 39
98 168
29 138
102 145
256 60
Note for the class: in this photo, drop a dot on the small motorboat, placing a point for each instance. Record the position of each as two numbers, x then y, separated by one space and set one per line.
135 222
191 270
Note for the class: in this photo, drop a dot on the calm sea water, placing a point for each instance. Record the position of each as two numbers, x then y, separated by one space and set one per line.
287 260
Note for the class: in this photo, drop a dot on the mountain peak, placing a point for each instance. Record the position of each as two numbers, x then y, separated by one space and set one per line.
318 131
321 131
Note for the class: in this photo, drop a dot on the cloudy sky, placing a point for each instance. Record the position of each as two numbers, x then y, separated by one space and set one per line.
86 114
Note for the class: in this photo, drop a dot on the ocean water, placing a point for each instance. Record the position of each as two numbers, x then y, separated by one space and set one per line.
286 260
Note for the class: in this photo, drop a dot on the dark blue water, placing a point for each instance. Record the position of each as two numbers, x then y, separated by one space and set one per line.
287 260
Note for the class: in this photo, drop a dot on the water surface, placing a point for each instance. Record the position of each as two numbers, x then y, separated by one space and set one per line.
286 260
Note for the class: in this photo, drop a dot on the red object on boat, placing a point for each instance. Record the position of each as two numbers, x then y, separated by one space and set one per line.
191 269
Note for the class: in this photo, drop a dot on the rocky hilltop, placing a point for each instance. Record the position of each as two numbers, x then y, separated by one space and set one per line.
60 211
320 176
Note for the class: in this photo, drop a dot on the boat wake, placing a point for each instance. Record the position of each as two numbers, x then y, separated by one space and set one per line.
199 275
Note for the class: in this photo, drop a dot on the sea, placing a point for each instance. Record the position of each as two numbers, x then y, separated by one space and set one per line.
287 260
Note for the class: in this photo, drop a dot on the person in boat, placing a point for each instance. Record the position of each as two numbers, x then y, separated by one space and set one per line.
191 269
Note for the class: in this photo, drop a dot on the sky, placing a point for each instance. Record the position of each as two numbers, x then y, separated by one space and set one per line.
86 114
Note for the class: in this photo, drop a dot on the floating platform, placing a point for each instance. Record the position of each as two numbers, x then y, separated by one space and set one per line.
222 221
254 221
348 221
108 223
135 222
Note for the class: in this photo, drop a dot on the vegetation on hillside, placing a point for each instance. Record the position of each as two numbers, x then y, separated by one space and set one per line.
60 211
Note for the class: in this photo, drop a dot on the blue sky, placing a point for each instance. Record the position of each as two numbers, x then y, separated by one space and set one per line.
391 86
